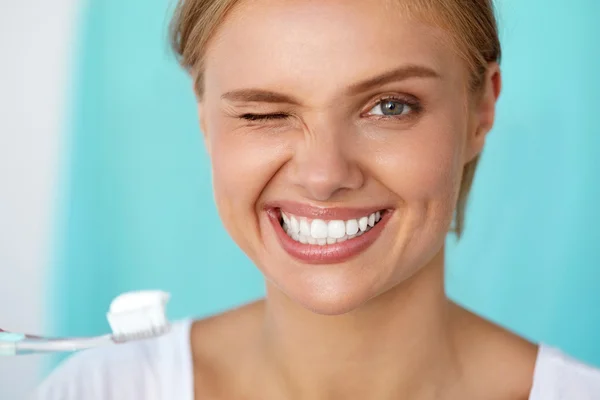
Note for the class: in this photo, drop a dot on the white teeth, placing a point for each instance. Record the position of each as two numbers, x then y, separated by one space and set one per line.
351 227
318 229
320 232
294 224
336 229
304 227
371 220
362 223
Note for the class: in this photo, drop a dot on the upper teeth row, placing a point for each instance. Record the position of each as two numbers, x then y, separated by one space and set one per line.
321 229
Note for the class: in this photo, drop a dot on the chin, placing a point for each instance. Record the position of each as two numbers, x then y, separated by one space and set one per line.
340 289
331 305
330 295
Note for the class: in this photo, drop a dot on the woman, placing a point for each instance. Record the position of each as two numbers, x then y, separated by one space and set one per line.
344 137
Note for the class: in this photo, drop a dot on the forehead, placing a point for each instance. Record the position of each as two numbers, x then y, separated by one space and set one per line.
320 45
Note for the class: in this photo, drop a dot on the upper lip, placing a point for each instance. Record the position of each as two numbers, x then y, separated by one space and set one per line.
326 213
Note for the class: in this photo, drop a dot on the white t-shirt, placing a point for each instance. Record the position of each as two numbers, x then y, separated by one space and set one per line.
161 369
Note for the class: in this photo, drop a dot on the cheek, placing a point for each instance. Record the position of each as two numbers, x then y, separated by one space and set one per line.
242 166
423 166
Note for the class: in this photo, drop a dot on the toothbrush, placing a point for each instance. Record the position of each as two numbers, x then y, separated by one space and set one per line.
131 316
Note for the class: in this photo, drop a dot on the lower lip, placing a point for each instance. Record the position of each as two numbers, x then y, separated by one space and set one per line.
330 253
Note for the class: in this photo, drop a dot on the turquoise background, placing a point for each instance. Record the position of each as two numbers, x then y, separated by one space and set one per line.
138 210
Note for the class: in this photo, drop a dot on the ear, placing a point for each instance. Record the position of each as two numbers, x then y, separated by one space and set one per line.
484 110
201 115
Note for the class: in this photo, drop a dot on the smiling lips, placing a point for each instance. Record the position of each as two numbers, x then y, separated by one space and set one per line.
325 235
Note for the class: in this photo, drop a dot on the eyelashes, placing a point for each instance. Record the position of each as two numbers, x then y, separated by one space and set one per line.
390 107
264 117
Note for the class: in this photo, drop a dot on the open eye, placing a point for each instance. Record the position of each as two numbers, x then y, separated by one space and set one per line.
392 108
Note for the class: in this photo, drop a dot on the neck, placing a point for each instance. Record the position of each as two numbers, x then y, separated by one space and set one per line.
398 344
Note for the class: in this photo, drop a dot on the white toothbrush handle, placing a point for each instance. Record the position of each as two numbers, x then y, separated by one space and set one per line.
34 346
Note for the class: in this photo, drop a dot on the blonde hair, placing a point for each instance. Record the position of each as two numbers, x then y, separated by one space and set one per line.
471 23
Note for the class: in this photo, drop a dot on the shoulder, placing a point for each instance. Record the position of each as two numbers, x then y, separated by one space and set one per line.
559 376
224 350
142 369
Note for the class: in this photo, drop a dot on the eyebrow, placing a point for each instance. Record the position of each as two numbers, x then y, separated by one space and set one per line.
259 96
395 75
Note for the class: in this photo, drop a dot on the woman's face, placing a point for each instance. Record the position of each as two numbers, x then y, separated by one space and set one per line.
338 132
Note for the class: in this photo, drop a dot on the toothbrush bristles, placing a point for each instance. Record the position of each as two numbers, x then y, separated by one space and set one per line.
146 334
138 315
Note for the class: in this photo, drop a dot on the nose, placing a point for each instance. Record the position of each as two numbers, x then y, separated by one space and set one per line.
324 166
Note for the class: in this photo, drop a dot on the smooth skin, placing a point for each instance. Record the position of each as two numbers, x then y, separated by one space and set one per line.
378 326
